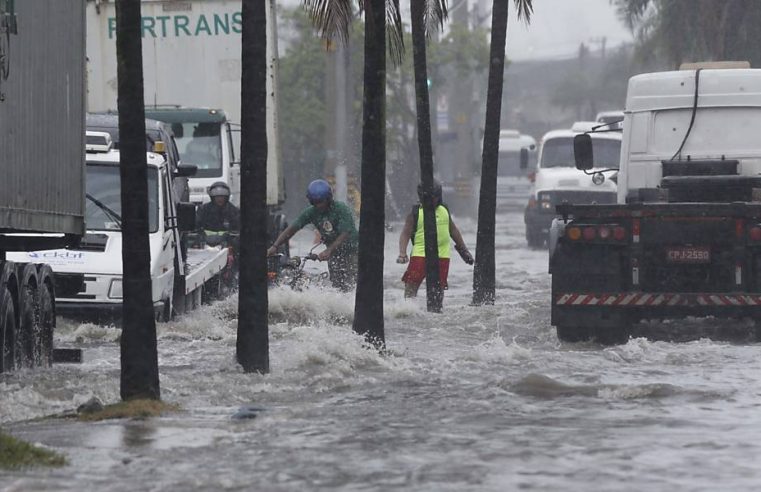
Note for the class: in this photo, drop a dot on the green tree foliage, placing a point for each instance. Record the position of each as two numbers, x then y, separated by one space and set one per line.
677 31
460 52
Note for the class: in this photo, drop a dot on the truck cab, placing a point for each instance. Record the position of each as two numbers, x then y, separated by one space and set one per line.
558 181
204 138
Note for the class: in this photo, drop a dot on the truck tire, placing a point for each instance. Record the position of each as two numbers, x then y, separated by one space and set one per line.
212 290
534 239
573 334
43 350
7 330
608 336
28 317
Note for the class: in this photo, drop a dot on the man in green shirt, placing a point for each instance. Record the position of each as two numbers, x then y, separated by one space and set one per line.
335 223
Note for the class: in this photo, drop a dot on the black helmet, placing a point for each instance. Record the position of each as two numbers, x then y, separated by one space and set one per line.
219 188
436 190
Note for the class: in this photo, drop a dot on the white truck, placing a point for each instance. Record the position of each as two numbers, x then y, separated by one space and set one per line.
192 69
42 115
684 238
557 181
514 177
93 268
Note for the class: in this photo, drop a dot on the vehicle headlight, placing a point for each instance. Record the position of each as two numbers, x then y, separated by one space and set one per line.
546 205
115 290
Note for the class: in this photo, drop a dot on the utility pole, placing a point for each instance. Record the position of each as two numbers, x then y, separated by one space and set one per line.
337 130
461 116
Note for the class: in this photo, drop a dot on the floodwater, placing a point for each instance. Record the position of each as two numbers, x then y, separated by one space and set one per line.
476 398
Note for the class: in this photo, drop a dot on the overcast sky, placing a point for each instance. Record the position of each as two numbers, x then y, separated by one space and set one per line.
557 27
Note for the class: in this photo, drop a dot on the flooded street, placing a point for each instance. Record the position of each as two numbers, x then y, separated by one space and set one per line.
476 398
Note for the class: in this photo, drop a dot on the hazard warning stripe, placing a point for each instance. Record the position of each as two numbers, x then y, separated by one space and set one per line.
642 299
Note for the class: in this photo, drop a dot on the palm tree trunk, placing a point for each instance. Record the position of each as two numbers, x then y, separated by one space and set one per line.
139 356
252 347
434 292
368 305
483 274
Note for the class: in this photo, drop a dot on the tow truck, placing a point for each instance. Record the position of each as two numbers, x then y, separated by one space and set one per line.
92 270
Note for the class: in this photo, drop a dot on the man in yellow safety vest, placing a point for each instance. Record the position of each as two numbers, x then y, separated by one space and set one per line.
446 231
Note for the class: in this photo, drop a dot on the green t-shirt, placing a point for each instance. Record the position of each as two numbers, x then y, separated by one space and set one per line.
331 223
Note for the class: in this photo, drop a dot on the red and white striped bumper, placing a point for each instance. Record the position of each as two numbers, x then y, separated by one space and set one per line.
637 299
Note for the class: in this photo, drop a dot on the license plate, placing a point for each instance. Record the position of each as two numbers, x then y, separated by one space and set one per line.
688 254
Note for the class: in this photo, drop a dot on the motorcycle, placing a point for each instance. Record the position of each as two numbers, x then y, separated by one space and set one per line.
290 271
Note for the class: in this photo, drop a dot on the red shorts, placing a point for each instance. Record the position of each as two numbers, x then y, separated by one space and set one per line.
415 273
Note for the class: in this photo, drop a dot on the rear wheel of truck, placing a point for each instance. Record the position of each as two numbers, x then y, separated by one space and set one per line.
618 335
29 317
573 334
212 290
43 346
534 239
7 330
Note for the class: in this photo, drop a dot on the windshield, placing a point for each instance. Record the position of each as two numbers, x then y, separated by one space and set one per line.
103 198
200 144
510 163
558 152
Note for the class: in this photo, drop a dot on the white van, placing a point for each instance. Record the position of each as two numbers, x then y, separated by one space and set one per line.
514 181
557 179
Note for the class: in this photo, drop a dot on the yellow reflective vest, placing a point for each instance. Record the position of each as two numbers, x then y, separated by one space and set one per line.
442 232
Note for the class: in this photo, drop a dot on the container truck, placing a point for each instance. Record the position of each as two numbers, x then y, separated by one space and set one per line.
42 115
192 69
684 238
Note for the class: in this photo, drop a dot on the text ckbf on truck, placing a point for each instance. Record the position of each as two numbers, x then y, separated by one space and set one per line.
684 238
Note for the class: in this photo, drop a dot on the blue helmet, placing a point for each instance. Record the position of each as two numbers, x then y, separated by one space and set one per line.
319 190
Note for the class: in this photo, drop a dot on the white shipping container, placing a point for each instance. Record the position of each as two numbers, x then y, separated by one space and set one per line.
42 88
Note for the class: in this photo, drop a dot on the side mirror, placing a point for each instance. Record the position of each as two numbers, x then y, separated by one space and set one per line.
582 152
185 171
524 158
186 216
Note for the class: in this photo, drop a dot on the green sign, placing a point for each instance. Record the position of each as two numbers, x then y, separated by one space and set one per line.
168 26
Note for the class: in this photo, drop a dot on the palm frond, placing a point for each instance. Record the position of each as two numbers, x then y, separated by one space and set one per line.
332 18
394 31
525 8
436 12
631 11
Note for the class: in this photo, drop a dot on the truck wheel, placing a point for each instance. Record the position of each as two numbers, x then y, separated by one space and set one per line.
29 317
618 335
43 347
212 290
573 334
535 240
7 330
165 314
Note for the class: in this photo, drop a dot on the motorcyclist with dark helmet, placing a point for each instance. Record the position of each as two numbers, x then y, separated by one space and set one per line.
334 221
218 215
